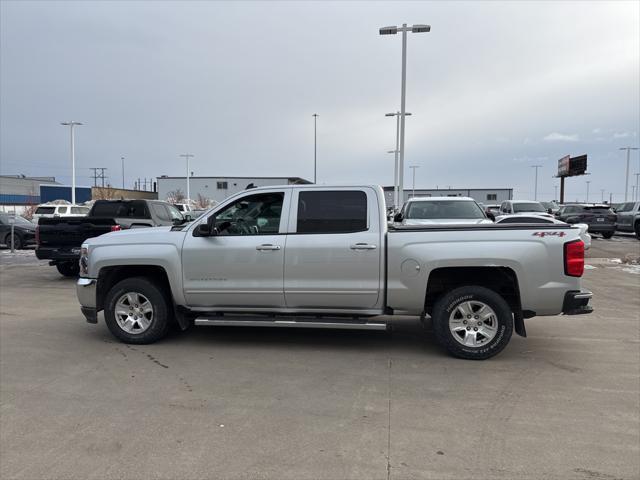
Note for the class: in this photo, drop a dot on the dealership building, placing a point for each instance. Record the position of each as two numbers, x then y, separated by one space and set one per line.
487 196
19 191
218 188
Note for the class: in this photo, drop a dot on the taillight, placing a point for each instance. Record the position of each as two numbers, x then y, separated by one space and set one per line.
115 228
38 234
574 258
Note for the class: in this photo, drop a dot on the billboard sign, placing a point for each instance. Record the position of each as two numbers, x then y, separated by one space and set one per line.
572 166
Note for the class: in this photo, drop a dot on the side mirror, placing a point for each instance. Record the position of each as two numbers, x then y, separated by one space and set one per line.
491 216
187 218
203 230
397 217
549 210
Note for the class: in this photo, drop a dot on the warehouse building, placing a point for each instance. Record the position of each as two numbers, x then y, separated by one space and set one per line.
217 189
20 191
488 196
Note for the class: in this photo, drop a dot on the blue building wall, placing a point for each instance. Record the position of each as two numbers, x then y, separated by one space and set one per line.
48 193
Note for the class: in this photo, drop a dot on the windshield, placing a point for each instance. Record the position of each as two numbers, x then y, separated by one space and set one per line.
528 207
439 209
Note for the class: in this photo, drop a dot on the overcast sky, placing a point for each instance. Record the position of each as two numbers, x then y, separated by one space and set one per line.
494 88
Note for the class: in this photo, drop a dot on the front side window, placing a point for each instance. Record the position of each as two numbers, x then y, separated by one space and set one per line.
340 211
251 215
160 212
174 213
442 209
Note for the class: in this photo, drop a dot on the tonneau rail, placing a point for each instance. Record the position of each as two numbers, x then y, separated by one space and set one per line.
486 226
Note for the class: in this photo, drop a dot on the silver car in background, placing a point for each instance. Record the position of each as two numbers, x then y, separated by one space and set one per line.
441 210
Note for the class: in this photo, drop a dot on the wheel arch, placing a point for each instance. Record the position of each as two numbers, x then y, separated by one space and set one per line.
502 280
109 276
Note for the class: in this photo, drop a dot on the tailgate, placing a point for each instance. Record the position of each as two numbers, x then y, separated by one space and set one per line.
71 231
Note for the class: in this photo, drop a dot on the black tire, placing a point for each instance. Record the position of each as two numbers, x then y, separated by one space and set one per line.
17 241
444 308
607 235
155 294
68 269
636 228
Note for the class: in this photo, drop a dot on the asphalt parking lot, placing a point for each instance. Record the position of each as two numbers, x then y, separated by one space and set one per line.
563 403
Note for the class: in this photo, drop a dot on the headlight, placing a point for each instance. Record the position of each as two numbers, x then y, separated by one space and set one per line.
84 260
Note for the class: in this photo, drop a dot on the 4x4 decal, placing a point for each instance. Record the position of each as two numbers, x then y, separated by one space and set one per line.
552 233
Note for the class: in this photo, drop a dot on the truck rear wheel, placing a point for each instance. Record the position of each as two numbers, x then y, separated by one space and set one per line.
136 311
472 322
68 269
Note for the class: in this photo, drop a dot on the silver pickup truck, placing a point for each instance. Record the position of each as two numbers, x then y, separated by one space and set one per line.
322 256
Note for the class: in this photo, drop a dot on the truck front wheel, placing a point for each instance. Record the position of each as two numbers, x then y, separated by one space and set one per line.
472 322
136 311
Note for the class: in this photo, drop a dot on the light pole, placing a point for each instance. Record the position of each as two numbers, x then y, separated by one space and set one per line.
602 195
315 147
535 192
187 156
396 195
122 160
637 186
626 182
588 182
393 30
413 188
72 124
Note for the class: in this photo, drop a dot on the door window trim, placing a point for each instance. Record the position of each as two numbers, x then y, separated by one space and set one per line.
293 209
284 215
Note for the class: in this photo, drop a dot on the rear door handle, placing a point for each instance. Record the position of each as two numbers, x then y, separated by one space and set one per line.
362 246
267 246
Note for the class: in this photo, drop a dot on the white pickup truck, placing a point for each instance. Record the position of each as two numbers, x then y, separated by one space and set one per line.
322 256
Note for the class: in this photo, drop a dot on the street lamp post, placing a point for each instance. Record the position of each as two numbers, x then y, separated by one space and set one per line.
637 187
396 194
626 181
393 30
187 156
602 195
315 147
122 160
588 182
535 192
72 124
413 187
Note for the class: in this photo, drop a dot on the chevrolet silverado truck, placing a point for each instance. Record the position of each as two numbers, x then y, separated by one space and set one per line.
324 257
59 239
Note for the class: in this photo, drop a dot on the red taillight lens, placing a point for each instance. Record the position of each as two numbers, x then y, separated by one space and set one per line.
115 228
38 234
574 258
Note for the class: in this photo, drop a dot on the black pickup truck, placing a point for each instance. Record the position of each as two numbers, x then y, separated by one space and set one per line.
59 239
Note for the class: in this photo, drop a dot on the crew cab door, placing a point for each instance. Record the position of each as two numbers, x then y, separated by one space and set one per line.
334 249
243 265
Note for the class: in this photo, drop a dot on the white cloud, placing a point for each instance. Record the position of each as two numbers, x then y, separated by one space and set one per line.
561 137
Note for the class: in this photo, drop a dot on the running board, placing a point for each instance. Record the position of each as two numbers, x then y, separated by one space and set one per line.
347 324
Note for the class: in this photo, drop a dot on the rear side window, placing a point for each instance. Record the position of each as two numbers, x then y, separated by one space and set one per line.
62 210
79 210
131 209
45 210
340 211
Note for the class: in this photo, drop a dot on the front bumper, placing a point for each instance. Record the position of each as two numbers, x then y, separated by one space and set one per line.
576 302
86 291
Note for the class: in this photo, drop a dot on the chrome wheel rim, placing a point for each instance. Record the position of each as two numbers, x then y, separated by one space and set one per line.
134 313
473 323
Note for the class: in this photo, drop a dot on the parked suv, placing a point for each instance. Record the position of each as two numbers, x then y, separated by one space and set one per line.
629 218
524 207
47 210
600 218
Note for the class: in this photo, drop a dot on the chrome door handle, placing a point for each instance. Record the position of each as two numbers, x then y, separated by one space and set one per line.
267 246
362 246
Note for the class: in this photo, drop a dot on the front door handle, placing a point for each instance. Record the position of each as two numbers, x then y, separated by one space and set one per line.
267 246
362 246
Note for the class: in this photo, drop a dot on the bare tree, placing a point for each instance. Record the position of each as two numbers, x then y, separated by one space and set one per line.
175 196
103 193
202 202
31 206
